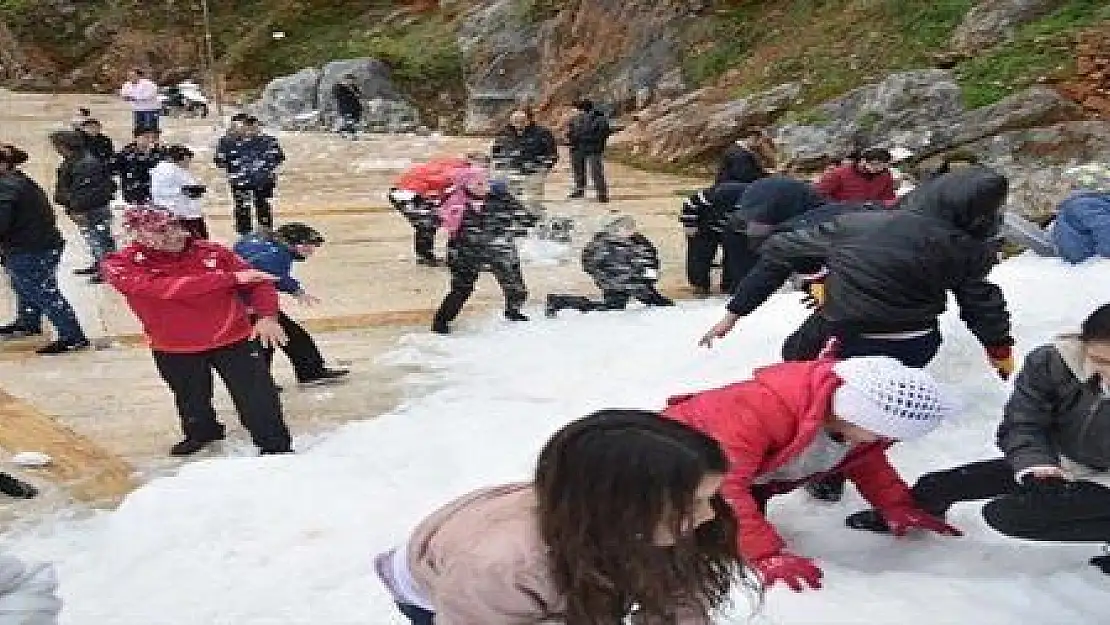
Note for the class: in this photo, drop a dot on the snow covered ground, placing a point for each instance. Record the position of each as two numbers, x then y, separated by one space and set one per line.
289 540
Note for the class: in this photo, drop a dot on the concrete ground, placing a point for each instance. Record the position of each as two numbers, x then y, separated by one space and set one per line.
372 291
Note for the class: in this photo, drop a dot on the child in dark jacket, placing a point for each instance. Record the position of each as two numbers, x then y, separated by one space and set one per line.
275 255
623 263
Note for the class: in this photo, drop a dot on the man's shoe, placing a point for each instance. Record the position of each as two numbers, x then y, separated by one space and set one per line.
87 271
428 261
574 195
440 327
515 315
603 199
869 521
13 331
551 307
15 487
190 446
326 376
63 347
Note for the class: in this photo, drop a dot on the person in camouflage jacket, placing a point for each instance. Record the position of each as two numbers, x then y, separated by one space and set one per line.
623 263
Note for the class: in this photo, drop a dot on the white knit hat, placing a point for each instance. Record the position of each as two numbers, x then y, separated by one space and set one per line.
884 396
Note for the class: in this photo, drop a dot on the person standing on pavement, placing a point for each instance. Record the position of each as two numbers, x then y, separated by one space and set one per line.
348 104
142 94
529 152
251 159
292 242
96 141
30 250
175 188
134 163
85 190
195 300
587 134
705 222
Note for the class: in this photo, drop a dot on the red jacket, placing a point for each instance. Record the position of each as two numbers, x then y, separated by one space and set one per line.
762 424
847 184
189 301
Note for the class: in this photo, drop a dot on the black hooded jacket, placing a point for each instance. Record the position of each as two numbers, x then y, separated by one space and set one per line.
891 271
739 164
27 221
769 202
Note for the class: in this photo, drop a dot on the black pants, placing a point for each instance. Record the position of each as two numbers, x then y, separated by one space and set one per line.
418 616
300 349
466 262
424 240
243 368
611 300
580 162
807 342
1076 512
257 197
701 249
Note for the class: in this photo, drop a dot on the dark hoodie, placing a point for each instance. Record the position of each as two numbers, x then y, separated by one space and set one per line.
84 182
768 202
891 271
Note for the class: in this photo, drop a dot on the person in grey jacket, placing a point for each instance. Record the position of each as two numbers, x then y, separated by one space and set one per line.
1051 483
28 593
85 189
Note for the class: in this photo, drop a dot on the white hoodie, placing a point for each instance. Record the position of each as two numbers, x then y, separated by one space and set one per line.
142 94
28 593
166 180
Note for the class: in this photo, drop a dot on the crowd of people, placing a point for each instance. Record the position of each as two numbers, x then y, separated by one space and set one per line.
659 515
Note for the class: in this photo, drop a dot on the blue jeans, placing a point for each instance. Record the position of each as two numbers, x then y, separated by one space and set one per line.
96 229
34 277
146 119
418 616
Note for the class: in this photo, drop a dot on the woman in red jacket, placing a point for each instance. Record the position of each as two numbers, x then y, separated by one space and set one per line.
797 421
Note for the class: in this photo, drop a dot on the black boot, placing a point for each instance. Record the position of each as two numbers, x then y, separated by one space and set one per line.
15 487
190 446
512 314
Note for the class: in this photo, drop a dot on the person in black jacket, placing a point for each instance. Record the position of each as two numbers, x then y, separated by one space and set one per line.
96 141
587 134
1051 483
528 151
348 103
31 248
134 163
704 218
744 161
251 159
483 222
624 264
85 189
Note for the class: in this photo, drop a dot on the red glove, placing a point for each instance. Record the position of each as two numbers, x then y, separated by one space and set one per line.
902 520
790 569
1002 359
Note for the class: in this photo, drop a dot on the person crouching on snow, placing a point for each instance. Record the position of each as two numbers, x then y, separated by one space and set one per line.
797 421
482 224
275 256
1051 483
623 263
593 538
192 298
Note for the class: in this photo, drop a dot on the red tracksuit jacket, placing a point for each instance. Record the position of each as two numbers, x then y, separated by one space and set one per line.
845 184
189 301
762 424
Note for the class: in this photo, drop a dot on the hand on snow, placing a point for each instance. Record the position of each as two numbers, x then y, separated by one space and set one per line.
1002 359
902 520
304 299
251 276
268 331
794 571
719 330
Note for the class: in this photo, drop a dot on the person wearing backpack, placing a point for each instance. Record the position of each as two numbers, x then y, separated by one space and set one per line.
587 134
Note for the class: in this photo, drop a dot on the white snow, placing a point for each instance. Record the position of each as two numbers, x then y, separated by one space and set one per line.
289 540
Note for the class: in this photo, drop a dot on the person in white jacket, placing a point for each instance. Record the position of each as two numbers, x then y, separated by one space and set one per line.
28 593
142 93
174 187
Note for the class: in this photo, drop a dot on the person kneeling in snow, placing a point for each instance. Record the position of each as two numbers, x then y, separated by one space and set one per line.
28 593
797 421
623 263
275 255
192 298
483 223
592 538
1055 437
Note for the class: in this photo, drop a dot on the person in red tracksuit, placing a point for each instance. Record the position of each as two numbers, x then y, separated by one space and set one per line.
866 180
192 297
796 421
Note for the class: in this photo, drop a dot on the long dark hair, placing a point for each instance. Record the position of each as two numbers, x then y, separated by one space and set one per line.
605 483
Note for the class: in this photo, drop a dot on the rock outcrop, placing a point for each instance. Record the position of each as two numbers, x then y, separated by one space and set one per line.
992 21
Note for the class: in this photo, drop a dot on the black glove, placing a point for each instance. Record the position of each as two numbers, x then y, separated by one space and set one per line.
194 191
14 487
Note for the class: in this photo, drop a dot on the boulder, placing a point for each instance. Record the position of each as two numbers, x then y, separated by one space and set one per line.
502 63
372 77
992 21
1036 106
288 97
696 125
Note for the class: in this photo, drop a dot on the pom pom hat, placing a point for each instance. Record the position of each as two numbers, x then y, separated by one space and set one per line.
881 395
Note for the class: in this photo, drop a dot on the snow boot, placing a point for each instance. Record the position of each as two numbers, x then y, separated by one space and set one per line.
869 521
829 488
513 314
15 487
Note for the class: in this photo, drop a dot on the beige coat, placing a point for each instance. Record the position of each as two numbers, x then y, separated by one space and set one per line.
480 561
